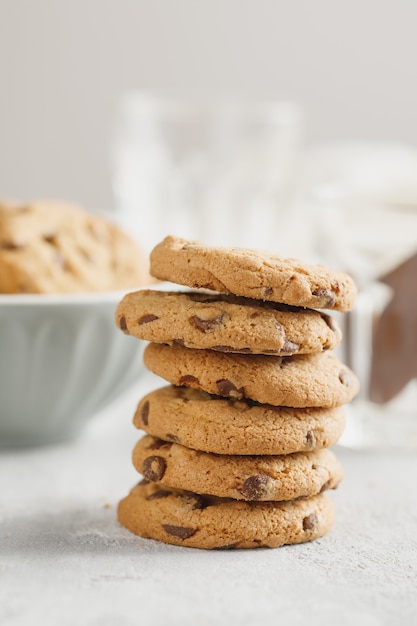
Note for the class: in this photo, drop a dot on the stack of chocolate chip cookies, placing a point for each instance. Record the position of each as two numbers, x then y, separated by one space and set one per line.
236 451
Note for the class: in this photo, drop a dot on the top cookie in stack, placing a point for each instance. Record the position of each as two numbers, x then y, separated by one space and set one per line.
252 274
251 373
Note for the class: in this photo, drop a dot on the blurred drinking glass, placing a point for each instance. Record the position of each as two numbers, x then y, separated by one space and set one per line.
219 171
363 208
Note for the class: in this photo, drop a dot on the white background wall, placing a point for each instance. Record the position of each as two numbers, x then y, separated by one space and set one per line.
351 64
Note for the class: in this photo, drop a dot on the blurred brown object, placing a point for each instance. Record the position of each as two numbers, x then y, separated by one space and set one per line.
394 353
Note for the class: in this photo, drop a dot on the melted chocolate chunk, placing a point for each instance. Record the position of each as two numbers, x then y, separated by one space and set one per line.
189 381
179 531
200 502
153 468
158 495
51 239
310 521
327 297
159 444
145 319
310 439
329 321
289 347
326 486
123 324
255 487
226 388
11 245
172 438
207 325
144 413
344 378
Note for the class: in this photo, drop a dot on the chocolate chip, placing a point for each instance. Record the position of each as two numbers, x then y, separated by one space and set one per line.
172 438
123 324
326 486
179 342
345 378
10 245
153 468
158 495
310 439
145 319
51 239
310 521
226 388
179 531
267 291
329 321
289 347
327 297
199 502
160 444
189 380
207 325
144 413
255 487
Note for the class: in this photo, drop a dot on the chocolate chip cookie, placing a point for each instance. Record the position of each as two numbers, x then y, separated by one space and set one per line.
252 274
183 518
312 380
226 426
50 247
264 478
225 323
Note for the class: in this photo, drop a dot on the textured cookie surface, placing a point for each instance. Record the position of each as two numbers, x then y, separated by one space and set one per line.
182 518
252 274
226 426
225 323
50 247
261 478
312 380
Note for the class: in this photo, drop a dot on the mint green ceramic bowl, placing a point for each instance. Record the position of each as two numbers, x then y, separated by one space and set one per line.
62 359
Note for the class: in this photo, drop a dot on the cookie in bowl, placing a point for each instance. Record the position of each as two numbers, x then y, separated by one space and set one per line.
57 247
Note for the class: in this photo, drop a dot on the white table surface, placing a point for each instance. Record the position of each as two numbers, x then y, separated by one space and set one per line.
65 560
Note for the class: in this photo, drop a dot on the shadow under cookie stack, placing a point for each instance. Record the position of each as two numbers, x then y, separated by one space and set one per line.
235 453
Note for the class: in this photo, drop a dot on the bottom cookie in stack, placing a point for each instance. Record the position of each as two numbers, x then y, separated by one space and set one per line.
180 517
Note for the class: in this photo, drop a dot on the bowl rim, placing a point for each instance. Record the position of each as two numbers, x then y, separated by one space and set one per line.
45 299
79 298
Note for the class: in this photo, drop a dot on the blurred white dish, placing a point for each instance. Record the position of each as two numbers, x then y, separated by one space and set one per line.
62 359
